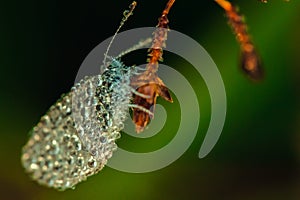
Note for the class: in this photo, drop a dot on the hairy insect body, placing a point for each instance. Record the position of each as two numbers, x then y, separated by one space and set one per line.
77 135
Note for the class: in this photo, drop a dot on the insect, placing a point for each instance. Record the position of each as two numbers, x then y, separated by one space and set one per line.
148 83
250 60
77 135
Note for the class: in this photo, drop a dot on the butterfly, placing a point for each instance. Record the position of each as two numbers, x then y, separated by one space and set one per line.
77 135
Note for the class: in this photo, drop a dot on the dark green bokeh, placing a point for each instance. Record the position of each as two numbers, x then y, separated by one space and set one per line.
257 156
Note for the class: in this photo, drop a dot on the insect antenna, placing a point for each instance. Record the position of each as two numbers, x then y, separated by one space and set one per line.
126 15
141 44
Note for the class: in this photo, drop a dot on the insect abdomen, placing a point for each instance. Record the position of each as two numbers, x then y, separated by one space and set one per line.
77 135
54 155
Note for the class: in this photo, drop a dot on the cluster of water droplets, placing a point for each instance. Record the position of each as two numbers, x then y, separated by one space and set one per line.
77 135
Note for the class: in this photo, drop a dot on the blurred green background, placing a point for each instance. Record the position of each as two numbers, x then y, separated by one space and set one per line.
258 154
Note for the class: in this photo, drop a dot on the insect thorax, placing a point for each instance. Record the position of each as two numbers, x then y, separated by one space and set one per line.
106 98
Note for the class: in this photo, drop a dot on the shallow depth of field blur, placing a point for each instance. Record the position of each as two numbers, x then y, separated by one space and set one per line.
258 153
